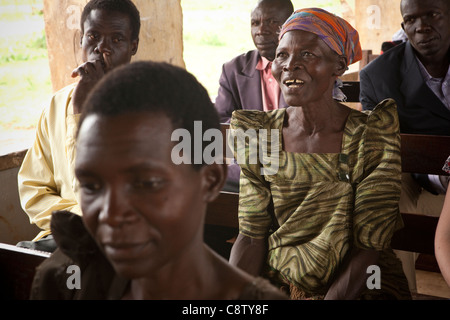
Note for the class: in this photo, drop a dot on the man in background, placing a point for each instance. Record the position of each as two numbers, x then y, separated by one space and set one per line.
246 81
416 75
47 183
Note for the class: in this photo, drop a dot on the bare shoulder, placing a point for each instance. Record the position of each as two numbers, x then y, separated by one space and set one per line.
238 285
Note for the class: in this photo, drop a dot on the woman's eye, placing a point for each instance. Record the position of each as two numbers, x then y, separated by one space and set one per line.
409 20
155 183
90 187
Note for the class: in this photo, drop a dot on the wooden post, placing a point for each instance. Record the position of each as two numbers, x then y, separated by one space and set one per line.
348 11
377 21
160 39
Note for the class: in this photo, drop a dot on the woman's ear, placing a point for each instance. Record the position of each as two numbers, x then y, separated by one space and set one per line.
134 46
214 176
341 66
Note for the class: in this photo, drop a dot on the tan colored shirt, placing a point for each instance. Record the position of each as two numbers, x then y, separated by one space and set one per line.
46 178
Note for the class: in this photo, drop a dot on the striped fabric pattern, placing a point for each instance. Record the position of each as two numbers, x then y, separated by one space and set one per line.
325 204
337 33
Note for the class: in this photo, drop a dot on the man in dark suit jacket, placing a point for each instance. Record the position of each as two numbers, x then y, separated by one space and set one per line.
416 75
246 81
242 82
240 86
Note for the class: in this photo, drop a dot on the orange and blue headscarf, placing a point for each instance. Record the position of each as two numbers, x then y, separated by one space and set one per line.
337 33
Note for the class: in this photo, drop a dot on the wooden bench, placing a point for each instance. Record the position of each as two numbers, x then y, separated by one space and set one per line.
352 74
351 91
367 57
17 269
420 154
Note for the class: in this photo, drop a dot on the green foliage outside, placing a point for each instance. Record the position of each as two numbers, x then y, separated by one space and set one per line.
215 31
24 73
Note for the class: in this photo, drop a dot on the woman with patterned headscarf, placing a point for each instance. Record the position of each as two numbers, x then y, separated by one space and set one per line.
335 194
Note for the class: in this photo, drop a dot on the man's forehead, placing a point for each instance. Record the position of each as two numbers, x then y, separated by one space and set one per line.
132 121
88 131
88 123
135 131
99 18
412 6
265 8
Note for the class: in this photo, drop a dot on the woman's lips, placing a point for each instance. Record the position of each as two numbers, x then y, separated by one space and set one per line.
293 83
124 251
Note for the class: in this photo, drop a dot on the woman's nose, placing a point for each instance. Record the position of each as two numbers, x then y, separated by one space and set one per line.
116 209
292 63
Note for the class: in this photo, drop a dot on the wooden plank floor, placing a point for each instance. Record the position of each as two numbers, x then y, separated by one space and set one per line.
432 283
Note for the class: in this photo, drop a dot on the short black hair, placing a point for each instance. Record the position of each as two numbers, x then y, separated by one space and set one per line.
285 4
125 6
446 2
157 88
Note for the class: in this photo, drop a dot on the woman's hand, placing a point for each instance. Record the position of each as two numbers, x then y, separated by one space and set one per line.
249 254
352 278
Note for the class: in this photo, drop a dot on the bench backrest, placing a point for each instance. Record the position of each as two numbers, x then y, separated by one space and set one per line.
420 154
17 269
367 57
351 90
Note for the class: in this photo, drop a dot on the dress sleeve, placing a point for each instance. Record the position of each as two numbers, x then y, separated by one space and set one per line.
254 190
376 215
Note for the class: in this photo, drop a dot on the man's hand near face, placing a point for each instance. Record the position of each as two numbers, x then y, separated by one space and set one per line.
90 74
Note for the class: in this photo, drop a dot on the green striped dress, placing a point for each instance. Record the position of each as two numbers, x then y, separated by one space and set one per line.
323 203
